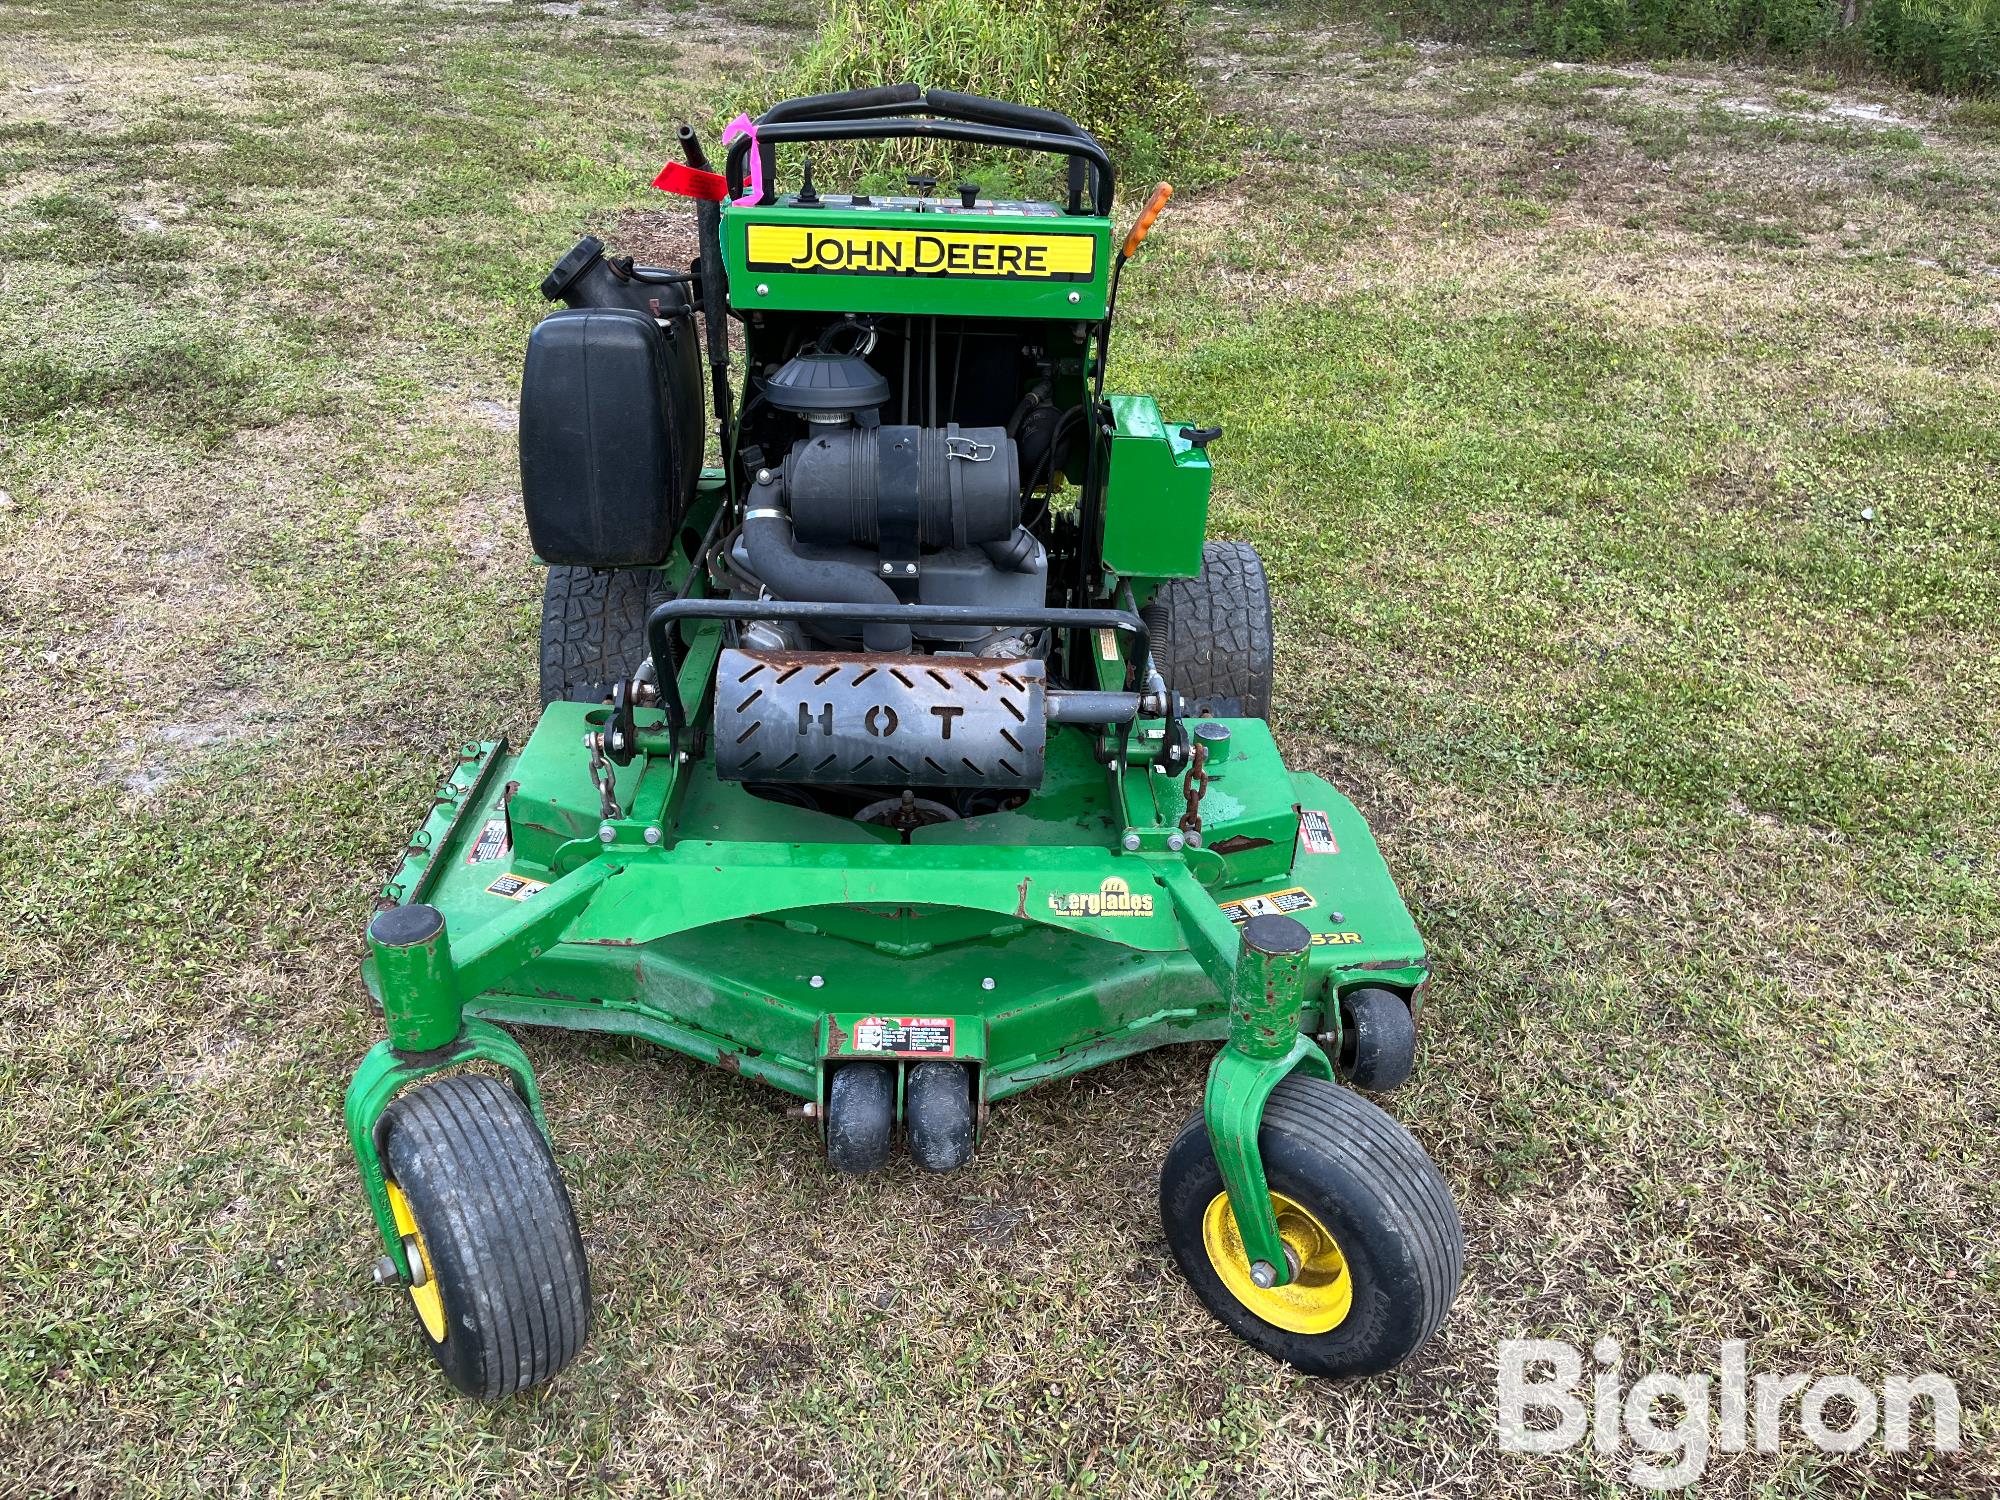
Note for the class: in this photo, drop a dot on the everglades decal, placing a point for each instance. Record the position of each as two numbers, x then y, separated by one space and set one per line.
1112 899
920 252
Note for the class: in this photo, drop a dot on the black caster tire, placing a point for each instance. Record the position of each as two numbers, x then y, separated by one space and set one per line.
1378 1040
1362 1209
860 1116
504 1300
939 1115
594 630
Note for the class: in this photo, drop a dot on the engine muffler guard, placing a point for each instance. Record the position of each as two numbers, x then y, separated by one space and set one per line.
878 720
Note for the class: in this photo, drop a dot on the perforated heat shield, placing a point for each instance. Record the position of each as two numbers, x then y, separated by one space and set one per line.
880 720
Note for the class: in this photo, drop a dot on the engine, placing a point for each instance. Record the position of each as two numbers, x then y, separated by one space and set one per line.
833 503
862 512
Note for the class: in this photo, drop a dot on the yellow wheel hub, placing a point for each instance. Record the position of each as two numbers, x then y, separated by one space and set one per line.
424 1293
1315 1300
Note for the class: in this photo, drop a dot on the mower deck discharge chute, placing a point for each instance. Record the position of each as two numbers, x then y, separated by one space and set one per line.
914 755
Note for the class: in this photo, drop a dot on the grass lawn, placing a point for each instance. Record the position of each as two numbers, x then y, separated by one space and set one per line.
1622 442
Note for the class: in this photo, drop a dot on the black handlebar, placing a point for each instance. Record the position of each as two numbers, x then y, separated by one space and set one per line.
883 114
848 104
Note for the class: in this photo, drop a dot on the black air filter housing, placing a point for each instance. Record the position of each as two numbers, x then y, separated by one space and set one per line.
610 436
817 383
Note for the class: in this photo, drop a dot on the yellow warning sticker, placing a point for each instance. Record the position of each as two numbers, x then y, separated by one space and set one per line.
1112 899
920 252
1286 903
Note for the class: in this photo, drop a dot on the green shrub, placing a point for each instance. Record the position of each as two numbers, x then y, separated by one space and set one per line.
1948 45
1120 68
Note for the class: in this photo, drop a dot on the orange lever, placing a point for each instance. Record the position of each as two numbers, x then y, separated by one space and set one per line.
1146 216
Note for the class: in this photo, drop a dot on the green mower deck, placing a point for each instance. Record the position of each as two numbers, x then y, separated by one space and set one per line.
760 937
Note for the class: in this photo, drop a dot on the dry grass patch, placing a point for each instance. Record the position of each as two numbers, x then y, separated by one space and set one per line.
1687 769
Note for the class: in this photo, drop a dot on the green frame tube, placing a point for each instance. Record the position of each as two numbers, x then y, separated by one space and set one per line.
1265 1045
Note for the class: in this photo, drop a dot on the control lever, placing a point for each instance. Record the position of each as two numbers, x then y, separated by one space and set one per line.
1201 437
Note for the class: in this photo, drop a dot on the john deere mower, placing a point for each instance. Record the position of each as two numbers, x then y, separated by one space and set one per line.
914 754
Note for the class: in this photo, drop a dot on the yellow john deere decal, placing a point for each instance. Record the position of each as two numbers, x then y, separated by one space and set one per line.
921 252
1112 899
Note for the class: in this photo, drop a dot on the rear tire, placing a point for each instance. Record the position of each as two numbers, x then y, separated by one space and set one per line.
1211 635
505 1298
594 629
1357 1196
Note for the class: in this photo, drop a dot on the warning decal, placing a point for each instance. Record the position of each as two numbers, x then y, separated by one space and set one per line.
1286 903
1316 832
516 887
491 843
905 1036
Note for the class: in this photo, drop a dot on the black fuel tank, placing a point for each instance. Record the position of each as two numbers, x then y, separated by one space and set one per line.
611 435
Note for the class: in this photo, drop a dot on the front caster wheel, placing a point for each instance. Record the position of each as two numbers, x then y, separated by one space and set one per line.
860 1116
1378 1039
939 1115
502 1297
1367 1223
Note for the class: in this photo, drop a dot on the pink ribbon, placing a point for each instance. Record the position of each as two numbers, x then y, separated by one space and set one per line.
743 125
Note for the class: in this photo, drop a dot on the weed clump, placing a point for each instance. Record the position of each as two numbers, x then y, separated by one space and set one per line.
1120 68
193 388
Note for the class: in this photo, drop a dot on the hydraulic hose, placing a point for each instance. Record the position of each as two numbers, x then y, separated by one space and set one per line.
767 538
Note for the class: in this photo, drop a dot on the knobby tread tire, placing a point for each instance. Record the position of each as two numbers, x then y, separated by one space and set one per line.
1212 634
1365 1177
594 629
499 1229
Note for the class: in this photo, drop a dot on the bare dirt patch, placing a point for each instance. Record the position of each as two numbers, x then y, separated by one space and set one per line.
656 237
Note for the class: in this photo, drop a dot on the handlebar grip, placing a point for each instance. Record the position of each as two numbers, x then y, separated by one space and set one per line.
1146 217
849 102
691 148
